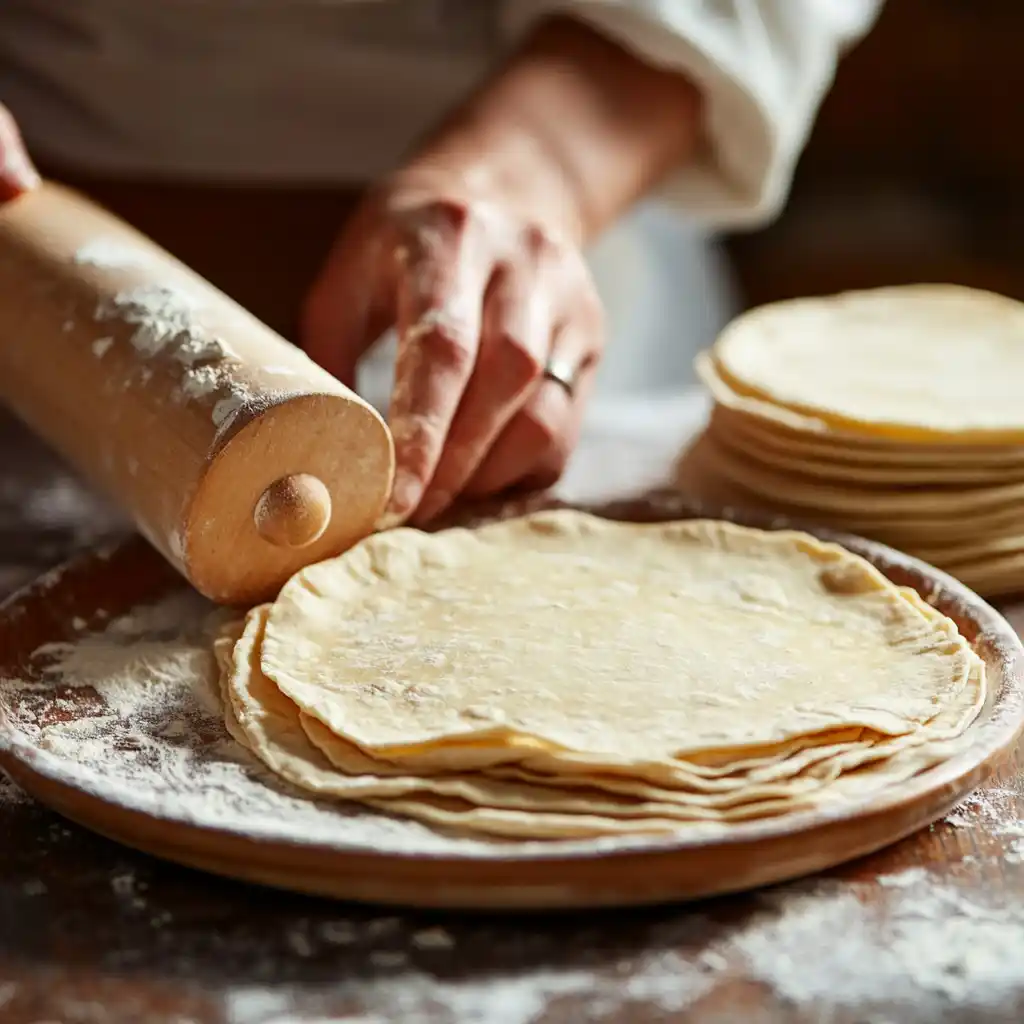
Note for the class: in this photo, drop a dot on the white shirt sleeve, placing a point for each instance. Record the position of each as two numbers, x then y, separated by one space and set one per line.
763 66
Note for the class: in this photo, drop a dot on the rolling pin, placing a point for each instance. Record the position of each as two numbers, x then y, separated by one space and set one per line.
238 458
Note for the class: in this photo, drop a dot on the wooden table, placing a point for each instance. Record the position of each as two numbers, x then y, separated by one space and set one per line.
91 933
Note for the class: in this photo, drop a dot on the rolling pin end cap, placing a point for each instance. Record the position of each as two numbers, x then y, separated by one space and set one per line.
294 511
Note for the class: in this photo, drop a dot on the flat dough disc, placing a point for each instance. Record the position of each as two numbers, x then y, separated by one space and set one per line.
628 644
269 725
853 500
700 474
859 361
677 779
800 433
826 760
864 453
785 457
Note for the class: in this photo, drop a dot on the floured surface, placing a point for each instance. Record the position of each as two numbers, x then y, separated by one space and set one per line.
917 946
144 729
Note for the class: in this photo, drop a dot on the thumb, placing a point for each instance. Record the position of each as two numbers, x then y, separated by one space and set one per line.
17 174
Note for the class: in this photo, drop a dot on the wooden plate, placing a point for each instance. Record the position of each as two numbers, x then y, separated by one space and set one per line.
248 830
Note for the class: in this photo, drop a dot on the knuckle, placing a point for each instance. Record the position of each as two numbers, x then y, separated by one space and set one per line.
542 428
537 241
519 362
447 346
433 229
416 440
451 214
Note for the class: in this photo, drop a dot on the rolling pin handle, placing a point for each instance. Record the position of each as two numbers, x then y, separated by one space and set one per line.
294 511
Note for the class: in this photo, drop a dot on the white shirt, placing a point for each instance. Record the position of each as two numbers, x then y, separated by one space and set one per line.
326 91
329 90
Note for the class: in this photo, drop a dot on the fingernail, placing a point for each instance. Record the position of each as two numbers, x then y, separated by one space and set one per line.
388 521
405 492
432 507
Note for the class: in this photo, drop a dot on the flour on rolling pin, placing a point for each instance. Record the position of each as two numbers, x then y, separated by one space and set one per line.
164 325
164 318
179 403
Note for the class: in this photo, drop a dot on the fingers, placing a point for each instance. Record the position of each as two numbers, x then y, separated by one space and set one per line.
534 448
515 335
17 174
550 466
440 307
353 301
480 302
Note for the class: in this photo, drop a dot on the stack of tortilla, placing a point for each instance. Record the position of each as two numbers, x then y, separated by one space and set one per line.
896 413
562 675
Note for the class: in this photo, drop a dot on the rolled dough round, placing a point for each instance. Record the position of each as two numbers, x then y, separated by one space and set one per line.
626 644
792 671
930 362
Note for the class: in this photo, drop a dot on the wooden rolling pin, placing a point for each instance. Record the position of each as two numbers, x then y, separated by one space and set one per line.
238 457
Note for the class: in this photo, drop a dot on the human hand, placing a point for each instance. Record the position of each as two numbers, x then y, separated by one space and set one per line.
499 333
17 174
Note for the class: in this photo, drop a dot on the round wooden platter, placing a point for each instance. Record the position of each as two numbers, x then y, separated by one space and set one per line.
249 828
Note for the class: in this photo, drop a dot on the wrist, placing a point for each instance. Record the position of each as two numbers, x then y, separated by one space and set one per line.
574 127
504 160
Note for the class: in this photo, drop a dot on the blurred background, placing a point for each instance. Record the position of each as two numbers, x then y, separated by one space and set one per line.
915 169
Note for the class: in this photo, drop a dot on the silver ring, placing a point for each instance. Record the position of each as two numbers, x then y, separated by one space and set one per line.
562 372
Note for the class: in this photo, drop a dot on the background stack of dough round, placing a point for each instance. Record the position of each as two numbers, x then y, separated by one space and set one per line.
561 675
896 413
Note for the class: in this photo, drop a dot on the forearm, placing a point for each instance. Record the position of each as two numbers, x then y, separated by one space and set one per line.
573 125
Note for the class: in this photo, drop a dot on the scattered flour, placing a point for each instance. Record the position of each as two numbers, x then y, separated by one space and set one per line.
146 732
921 951
904 879
433 938
392 988
299 942
993 813
924 947
60 503
123 884
339 933
226 409
101 346
990 810
201 382
11 794
109 254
